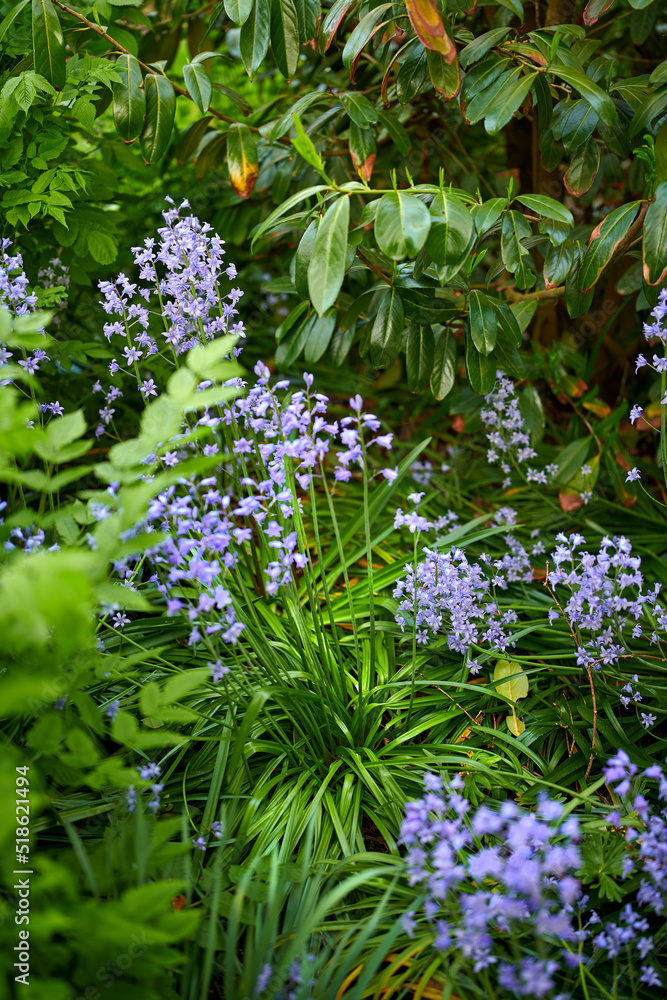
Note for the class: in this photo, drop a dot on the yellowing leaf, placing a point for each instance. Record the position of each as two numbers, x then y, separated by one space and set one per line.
514 688
515 726
428 24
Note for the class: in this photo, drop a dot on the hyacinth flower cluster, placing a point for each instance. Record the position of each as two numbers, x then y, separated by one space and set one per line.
502 894
608 609
509 442
277 444
15 295
654 331
447 593
148 773
180 277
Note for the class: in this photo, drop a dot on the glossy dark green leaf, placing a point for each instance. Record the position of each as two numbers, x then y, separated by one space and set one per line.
160 111
445 76
642 22
308 12
425 301
451 231
595 8
242 159
487 214
598 99
362 34
482 97
285 36
604 241
655 238
583 168
254 37
508 358
327 265
444 364
304 252
129 99
359 109
48 46
319 336
481 369
575 124
396 130
651 106
198 85
557 264
514 229
402 224
577 302
507 322
387 332
419 356
482 323
363 150
543 205
413 75
479 46
189 141
507 101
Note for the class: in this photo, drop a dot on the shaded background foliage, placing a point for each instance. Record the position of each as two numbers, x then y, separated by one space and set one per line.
416 193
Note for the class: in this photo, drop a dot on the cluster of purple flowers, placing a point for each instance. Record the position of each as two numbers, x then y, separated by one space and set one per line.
501 884
507 436
295 978
181 274
278 442
607 607
653 330
147 772
493 877
17 298
448 593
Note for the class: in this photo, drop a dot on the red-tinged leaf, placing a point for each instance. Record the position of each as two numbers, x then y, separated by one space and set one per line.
655 238
445 76
569 502
583 168
427 22
333 20
594 9
242 159
362 150
604 243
